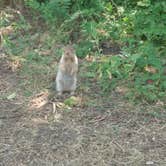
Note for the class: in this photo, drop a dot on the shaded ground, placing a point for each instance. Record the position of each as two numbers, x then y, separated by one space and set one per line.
111 133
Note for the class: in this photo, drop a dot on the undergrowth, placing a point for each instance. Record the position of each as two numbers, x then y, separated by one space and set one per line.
137 27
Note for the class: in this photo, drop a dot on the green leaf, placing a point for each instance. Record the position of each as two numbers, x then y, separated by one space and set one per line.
71 101
109 7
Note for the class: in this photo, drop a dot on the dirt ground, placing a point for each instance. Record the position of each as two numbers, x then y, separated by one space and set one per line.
112 133
98 131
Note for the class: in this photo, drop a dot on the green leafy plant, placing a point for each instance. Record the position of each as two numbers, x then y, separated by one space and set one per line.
138 26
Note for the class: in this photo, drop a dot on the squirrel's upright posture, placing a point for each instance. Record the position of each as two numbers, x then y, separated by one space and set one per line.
66 78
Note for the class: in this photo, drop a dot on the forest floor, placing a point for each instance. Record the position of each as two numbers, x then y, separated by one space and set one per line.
38 129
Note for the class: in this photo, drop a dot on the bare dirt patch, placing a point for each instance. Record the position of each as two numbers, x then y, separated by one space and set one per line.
112 132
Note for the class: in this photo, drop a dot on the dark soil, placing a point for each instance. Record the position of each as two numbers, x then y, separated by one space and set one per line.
110 133
110 48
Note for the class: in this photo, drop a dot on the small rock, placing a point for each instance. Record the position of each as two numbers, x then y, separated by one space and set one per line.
149 163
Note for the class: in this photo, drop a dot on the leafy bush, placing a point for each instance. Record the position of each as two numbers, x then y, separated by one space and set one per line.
143 29
138 26
53 10
63 14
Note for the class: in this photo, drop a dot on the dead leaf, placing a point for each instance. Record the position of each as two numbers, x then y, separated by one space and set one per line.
151 69
6 30
45 52
60 105
160 103
102 31
90 58
11 96
15 63
40 100
121 89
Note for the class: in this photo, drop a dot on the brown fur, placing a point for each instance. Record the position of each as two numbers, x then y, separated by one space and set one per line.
67 72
